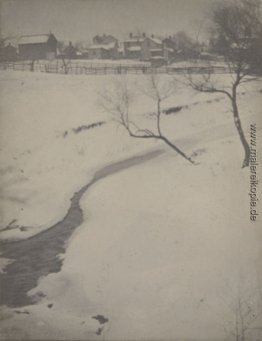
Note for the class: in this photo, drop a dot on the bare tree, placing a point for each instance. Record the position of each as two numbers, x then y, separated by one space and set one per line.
66 64
239 30
245 311
66 55
32 65
117 101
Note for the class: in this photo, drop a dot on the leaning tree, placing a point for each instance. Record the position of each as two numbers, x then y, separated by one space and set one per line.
237 35
117 101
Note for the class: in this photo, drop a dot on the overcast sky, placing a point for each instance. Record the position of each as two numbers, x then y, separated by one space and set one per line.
80 20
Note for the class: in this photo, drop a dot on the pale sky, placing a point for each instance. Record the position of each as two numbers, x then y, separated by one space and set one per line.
80 20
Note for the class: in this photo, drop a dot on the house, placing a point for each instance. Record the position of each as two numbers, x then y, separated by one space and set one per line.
103 51
145 48
156 51
170 49
8 53
132 46
210 57
151 48
170 42
8 49
68 52
38 46
103 47
121 50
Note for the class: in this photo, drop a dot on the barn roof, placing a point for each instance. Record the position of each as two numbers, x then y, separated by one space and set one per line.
34 39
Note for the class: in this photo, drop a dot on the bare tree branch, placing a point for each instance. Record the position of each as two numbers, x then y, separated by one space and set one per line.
118 99
238 27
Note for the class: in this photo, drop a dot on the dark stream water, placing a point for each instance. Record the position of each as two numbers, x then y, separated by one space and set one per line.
38 256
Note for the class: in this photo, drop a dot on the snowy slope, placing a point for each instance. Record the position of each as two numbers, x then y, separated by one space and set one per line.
161 242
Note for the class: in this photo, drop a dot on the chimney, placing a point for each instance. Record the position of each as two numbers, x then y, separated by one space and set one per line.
131 35
152 36
144 35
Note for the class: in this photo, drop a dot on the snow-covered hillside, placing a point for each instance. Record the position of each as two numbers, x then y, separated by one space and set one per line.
164 244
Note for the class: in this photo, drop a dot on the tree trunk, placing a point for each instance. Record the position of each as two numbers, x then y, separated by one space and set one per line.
241 133
163 138
32 65
65 66
170 144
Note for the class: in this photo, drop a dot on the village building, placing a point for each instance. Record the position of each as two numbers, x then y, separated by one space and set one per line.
151 48
169 45
132 46
103 47
146 48
34 47
8 53
9 49
68 52
103 51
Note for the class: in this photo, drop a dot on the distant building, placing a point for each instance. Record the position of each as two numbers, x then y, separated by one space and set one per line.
132 46
169 49
121 50
103 51
211 57
33 47
145 48
8 53
68 52
151 48
103 47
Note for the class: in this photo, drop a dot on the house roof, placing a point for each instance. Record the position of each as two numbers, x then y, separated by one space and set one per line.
156 50
34 39
156 40
168 49
135 40
134 48
157 57
102 46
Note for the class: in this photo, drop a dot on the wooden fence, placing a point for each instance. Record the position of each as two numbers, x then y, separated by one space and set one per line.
76 68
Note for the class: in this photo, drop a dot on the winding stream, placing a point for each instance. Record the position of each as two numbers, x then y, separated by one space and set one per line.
38 255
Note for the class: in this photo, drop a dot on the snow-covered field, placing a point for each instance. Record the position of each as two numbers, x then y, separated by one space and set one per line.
164 245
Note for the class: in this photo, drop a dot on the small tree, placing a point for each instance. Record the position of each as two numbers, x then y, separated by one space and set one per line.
117 101
66 55
245 310
66 64
32 65
238 31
